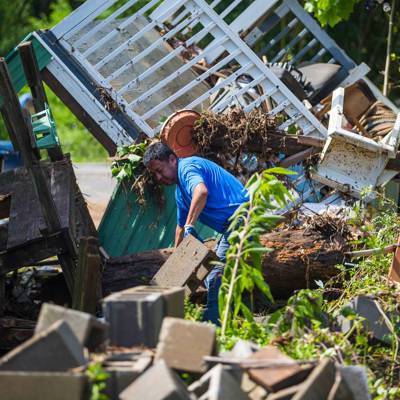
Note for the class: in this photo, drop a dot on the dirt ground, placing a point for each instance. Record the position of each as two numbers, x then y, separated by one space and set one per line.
97 186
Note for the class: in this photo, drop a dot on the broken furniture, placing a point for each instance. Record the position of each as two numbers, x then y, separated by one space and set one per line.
43 210
350 162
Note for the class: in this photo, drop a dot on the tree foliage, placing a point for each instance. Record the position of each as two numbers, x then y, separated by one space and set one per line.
330 12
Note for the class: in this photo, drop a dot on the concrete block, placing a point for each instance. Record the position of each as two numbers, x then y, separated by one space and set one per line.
355 376
174 298
375 321
158 383
285 394
135 318
187 267
54 349
246 384
15 385
89 331
258 393
183 344
276 378
218 384
123 369
319 383
340 389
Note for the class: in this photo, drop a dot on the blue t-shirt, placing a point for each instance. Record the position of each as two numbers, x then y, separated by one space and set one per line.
225 192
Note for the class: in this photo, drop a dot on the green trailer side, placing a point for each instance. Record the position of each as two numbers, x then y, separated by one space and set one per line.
127 227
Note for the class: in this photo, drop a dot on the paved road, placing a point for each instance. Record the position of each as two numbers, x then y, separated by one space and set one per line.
96 185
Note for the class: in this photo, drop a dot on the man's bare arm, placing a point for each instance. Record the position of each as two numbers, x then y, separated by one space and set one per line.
199 200
178 235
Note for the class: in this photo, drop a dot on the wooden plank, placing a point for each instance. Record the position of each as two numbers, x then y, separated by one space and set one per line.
88 276
299 157
32 252
274 379
26 219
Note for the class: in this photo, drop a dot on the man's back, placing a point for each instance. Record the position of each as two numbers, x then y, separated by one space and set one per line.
225 192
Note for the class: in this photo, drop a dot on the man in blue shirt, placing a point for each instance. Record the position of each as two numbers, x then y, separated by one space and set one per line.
205 192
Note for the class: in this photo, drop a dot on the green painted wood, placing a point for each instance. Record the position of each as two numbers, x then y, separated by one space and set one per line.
128 227
14 63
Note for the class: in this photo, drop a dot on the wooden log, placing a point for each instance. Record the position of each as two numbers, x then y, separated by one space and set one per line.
298 259
133 270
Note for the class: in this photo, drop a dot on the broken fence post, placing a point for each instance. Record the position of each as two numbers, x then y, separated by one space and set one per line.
87 276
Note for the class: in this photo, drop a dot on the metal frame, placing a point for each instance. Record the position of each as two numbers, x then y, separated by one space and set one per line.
212 23
85 97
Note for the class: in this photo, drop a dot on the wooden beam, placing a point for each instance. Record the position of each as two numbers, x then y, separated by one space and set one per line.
88 276
31 253
299 157
34 81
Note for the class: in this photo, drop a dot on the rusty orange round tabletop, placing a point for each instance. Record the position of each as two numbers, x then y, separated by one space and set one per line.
177 132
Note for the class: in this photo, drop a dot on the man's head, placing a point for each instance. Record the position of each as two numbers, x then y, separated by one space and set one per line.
162 163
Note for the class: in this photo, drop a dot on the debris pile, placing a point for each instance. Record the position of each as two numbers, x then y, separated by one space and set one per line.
141 351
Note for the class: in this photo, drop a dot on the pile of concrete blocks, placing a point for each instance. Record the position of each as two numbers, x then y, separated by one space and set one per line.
167 357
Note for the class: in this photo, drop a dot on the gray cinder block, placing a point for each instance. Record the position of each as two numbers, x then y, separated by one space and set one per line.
218 384
355 376
89 331
183 344
135 318
54 349
319 383
158 383
15 385
375 321
123 369
188 266
174 298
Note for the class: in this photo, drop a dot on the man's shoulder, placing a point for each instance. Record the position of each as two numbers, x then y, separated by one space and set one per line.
193 162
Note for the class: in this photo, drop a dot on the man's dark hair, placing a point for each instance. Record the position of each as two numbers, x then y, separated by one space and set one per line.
157 151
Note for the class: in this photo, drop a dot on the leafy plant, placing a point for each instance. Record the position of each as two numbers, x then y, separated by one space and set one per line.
128 168
128 165
243 269
97 377
330 12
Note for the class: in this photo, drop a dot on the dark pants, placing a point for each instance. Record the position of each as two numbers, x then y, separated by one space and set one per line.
213 282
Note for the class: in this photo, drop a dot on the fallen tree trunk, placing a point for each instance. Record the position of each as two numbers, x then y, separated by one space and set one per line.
299 258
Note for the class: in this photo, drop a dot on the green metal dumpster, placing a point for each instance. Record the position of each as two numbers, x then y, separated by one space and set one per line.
128 227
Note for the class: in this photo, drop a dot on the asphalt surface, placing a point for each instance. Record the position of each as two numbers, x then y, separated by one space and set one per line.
97 186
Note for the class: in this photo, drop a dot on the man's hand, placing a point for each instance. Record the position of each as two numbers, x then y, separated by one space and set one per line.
189 230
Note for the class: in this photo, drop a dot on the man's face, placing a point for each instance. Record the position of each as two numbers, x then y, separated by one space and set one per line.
165 172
